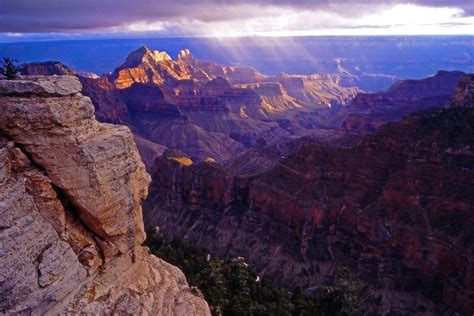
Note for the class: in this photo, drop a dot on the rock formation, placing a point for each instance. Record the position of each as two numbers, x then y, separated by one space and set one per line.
48 68
368 111
463 96
219 111
108 102
318 89
149 67
70 203
396 208
205 71
206 104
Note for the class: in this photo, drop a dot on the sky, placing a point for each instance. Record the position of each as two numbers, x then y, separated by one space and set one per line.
72 19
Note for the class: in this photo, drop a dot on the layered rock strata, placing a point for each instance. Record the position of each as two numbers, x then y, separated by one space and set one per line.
396 208
210 109
71 223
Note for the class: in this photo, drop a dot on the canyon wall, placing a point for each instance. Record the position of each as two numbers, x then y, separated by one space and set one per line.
397 209
369 111
71 224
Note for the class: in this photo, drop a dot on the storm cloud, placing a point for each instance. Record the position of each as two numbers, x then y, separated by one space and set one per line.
33 16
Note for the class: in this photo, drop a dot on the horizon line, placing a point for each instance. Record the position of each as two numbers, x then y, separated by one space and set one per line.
85 38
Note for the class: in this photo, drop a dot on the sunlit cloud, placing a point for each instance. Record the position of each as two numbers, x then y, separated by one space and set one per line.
277 21
415 15
11 34
220 18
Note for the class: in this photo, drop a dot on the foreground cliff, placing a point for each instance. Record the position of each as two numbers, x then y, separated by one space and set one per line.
71 223
396 208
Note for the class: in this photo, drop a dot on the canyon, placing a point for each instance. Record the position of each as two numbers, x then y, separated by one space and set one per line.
395 207
205 109
71 224
299 174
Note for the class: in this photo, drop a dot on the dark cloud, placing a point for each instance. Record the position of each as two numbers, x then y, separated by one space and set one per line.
93 15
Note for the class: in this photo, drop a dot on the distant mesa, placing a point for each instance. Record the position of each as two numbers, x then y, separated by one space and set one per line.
48 68
368 111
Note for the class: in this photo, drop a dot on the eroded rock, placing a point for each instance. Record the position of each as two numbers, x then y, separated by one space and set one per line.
71 225
55 85
396 208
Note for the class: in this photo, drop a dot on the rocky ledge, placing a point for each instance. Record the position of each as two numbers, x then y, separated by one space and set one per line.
71 224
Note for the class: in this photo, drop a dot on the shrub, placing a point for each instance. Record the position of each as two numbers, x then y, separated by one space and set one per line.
232 288
8 68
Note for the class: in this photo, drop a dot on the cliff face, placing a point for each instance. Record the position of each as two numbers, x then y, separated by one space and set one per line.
49 67
71 220
154 67
183 104
109 106
396 209
463 96
319 89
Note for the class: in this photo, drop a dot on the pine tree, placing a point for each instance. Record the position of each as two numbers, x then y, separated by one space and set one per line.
8 68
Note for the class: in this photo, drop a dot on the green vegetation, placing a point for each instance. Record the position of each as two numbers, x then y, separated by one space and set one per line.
8 68
232 288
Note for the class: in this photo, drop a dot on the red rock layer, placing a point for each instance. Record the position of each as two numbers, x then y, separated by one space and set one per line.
397 209
108 103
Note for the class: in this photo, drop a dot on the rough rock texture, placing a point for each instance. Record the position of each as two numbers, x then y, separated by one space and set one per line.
53 86
396 208
71 222
463 96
